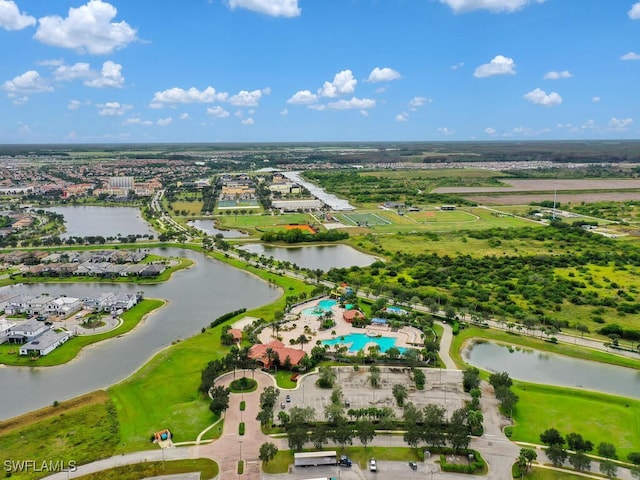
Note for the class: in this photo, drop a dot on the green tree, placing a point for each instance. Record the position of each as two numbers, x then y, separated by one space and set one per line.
552 436
268 452
608 468
458 431
297 436
474 420
470 379
529 455
634 457
219 399
607 450
580 461
374 376
434 424
343 434
419 378
498 380
557 454
400 393
326 376
319 435
365 431
577 443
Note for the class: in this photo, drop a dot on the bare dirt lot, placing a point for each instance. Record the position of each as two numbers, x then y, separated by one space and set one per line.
546 185
563 198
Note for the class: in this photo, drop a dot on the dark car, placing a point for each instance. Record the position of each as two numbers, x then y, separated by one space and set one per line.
288 398
345 461
413 465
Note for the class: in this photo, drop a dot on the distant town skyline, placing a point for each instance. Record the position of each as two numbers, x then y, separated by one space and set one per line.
98 71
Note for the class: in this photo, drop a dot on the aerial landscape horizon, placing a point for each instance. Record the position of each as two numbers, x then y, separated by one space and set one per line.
319 240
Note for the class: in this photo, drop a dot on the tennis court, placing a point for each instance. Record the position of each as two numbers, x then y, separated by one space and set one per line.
368 219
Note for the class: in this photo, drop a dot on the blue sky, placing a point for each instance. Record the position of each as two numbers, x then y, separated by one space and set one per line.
91 71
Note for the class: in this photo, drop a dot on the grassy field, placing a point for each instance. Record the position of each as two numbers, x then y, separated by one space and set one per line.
68 351
435 173
81 430
263 222
545 474
208 470
597 417
192 208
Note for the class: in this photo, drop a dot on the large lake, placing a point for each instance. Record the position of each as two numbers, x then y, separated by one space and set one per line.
195 297
81 221
324 257
549 368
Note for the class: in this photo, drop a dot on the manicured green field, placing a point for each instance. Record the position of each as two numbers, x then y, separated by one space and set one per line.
597 417
363 219
263 222
192 208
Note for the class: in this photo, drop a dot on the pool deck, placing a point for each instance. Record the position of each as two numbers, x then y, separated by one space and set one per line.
406 337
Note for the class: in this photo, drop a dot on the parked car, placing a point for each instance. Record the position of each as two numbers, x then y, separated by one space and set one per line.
345 461
373 466
288 398
283 405
413 465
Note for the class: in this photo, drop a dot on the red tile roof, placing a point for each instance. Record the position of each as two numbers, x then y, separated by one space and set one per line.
259 352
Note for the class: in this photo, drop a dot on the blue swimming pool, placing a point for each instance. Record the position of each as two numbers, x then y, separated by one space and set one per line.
396 310
322 307
357 341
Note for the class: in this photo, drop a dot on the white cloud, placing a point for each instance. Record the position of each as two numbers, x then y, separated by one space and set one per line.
620 123
218 112
500 65
343 83
163 122
457 66
383 75
284 111
417 102
634 13
490 131
137 121
185 116
87 29
27 83
111 109
76 104
246 99
540 97
630 56
12 19
175 96
402 117
460 6
303 97
354 103
275 8
557 75
247 121
595 99
318 107
110 77
67 73
53 62
445 131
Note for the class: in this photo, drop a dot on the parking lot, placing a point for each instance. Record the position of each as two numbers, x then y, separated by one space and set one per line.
443 387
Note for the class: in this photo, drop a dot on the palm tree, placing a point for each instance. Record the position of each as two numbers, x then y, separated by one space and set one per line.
302 339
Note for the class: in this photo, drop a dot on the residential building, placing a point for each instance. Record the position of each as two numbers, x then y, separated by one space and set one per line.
45 343
26 331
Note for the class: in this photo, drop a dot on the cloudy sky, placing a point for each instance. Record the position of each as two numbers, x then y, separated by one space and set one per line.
318 70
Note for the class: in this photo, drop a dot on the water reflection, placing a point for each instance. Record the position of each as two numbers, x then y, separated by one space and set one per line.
549 368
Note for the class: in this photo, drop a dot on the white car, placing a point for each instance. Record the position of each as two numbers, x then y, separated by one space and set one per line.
373 466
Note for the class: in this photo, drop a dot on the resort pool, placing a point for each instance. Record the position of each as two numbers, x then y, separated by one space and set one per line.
396 310
357 341
323 306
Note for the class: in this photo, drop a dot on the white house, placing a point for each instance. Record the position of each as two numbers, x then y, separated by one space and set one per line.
122 301
26 331
18 304
45 344
65 306
100 302
39 305
5 327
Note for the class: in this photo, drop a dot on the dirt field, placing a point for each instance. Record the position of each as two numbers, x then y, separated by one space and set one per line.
546 185
304 228
563 198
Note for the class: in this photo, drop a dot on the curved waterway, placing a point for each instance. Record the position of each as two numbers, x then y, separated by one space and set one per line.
195 297
536 366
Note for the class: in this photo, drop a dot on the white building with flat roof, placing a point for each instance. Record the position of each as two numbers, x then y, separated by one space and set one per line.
5 327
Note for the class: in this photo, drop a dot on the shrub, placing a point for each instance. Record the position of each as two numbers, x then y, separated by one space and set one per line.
241 428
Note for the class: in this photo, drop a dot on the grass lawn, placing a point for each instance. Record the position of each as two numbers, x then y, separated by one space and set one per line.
597 417
81 430
192 208
70 350
264 222
545 474
208 469
283 378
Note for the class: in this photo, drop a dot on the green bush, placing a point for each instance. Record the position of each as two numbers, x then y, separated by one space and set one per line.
243 405
477 465
241 428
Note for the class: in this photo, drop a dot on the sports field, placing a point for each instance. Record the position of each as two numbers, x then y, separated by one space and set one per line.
368 219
